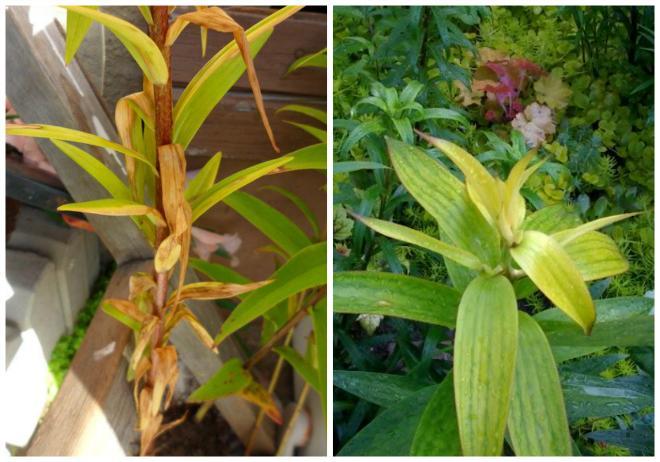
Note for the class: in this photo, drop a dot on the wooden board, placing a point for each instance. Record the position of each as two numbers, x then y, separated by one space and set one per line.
234 127
42 90
93 414
302 34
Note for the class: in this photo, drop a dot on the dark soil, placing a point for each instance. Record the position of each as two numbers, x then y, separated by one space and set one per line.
210 437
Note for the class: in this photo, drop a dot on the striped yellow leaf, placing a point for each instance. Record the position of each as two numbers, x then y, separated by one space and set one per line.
566 236
204 178
484 361
549 266
596 256
77 27
481 185
144 51
412 236
67 134
115 207
446 199
537 417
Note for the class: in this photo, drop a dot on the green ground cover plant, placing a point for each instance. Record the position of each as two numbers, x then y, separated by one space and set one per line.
502 86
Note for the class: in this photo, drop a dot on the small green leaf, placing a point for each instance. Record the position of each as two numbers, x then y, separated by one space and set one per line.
596 256
204 179
305 270
318 59
385 390
555 274
230 379
437 431
415 237
302 206
96 169
66 134
354 166
77 27
537 417
484 363
307 110
146 53
271 222
218 272
146 14
407 297
234 182
302 367
318 133
312 157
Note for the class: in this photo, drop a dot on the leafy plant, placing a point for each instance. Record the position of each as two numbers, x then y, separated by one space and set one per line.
494 254
154 134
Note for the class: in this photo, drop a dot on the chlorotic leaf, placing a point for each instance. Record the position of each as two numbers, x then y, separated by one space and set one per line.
145 11
204 179
229 380
307 110
318 59
308 158
484 363
596 256
146 53
566 236
388 294
114 207
555 274
318 133
77 27
125 312
537 392
415 237
216 290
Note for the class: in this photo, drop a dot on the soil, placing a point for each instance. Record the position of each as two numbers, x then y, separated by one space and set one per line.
210 437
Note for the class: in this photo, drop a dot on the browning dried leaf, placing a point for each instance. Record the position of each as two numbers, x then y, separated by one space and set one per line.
125 312
143 340
167 254
164 371
148 423
257 394
140 283
216 290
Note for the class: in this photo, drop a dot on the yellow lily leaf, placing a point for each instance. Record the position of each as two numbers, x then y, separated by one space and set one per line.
596 256
566 236
481 185
415 237
146 53
76 30
142 342
125 312
257 394
555 274
167 254
114 207
215 290
204 178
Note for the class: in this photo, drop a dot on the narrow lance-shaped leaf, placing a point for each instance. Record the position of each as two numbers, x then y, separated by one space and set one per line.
388 294
302 206
566 236
217 76
484 361
230 379
318 59
446 199
96 169
318 133
125 312
216 290
537 417
255 393
307 110
304 270
415 237
204 178
271 222
553 272
146 53
217 19
218 272
302 367
232 183
312 157
481 185
320 324
66 134
77 27
115 207
146 14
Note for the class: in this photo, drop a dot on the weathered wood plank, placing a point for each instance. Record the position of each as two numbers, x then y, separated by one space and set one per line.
90 415
43 90
300 35
234 127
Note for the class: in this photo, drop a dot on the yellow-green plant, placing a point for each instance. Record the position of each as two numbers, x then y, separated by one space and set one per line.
504 376
154 134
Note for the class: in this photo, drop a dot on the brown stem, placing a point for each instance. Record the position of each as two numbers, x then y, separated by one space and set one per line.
290 324
163 129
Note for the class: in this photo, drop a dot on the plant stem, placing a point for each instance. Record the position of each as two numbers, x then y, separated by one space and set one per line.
163 128
296 412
